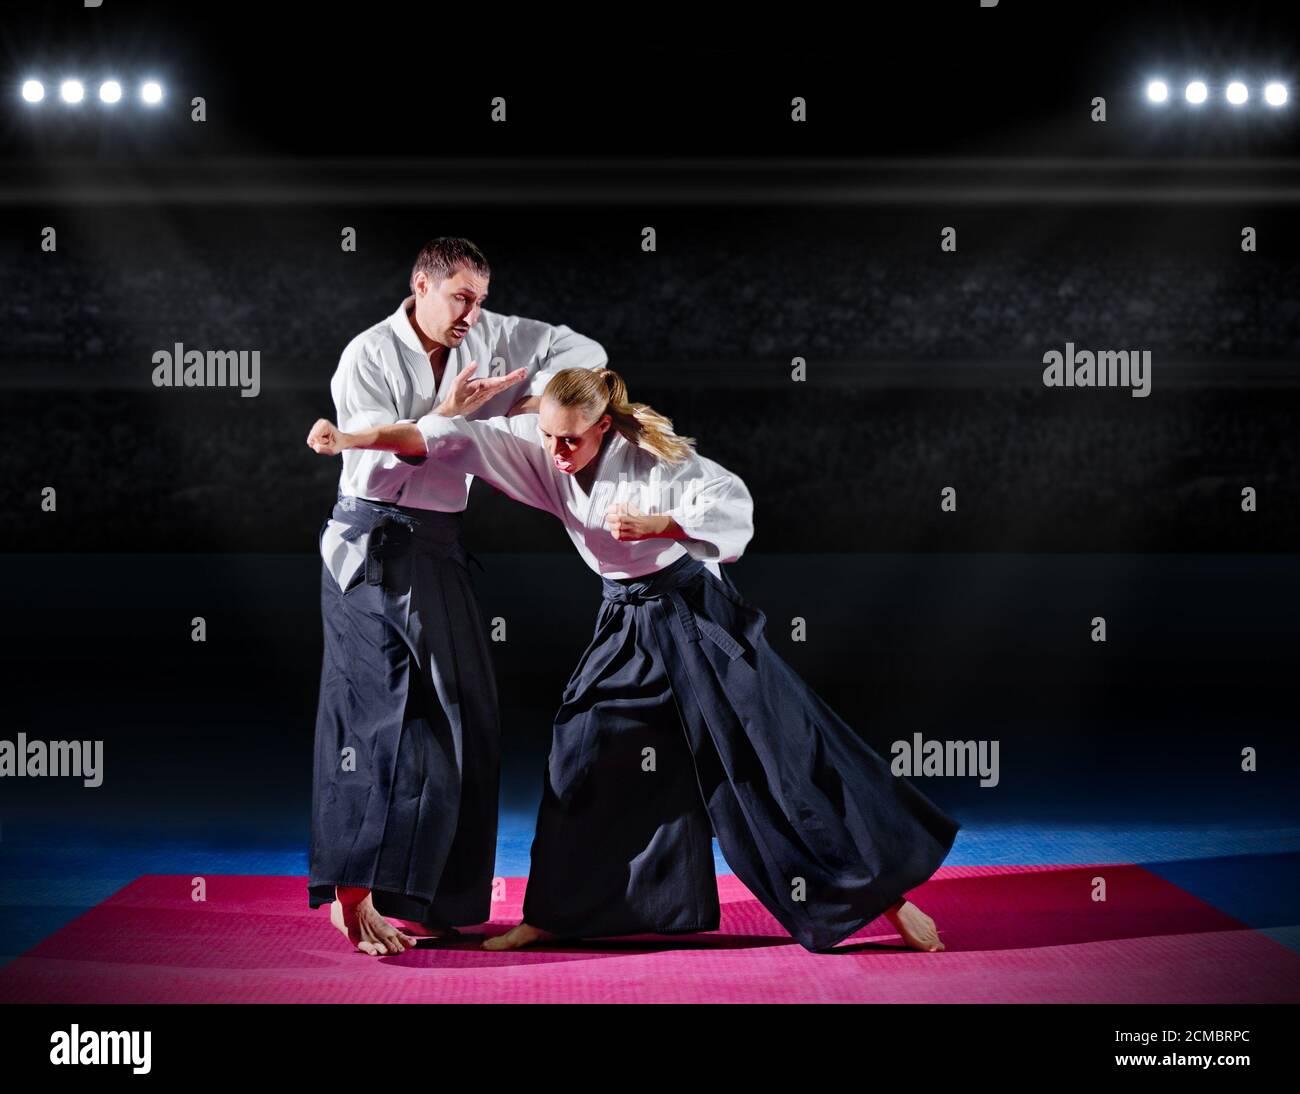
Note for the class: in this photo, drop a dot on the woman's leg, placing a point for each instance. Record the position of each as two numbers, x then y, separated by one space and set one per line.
809 817
623 842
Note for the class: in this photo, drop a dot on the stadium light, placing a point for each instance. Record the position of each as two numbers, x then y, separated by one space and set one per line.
1157 91
1275 94
1196 92
74 91
1236 93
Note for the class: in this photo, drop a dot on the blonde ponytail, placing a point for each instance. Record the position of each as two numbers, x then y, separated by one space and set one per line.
602 391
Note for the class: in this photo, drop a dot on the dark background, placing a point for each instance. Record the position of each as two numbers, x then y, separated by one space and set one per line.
775 240
926 80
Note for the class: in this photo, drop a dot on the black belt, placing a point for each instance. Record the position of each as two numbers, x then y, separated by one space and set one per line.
436 530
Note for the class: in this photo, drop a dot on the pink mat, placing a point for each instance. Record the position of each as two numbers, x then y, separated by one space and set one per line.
1013 934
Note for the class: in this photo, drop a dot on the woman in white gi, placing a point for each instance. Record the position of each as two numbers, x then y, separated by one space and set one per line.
680 720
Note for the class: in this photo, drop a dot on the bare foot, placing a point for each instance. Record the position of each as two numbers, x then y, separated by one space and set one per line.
354 914
917 928
522 935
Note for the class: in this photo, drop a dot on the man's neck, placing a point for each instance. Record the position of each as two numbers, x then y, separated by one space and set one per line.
436 350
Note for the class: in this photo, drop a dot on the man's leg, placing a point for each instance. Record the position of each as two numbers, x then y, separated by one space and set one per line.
354 914
369 764
408 750
342 787
456 703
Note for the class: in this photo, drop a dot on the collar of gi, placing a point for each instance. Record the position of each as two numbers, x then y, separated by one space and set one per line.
401 324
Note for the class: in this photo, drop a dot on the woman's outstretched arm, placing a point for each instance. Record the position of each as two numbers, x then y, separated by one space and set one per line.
468 393
404 438
504 452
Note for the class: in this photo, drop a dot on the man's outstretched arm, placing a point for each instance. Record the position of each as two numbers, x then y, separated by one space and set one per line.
567 349
527 405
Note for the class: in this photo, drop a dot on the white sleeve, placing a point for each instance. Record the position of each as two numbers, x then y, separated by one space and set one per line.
504 452
568 349
713 506
363 399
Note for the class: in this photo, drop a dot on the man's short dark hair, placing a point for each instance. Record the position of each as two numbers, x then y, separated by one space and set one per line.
442 257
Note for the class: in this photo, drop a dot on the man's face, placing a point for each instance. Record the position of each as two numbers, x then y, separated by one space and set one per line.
445 312
571 441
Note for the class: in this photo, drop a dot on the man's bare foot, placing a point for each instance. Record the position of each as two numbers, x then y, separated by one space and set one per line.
522 935
354 914
917 928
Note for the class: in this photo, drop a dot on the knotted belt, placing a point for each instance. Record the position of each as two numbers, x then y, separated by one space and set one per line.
393 526
679 604
669 584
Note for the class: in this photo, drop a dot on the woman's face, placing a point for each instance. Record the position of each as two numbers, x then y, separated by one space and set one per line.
570 439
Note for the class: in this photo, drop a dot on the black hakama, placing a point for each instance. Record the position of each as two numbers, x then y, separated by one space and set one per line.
681 721
407 685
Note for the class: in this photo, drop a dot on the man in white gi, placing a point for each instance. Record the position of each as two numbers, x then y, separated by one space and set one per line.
407 754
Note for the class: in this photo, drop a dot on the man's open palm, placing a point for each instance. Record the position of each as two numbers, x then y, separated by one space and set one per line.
469 392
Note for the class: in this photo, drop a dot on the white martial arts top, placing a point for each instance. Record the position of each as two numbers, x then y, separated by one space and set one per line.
712 505
385 375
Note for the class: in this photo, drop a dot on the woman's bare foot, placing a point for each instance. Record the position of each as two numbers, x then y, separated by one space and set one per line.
917 928
354 914
522 935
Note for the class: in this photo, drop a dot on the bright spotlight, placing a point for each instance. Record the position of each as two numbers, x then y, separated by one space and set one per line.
151 92
1237 93
1157 91
33 91
1275 94
1196 92
72 91
110 91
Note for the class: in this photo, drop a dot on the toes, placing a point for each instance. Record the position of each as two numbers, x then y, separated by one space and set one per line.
393 940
